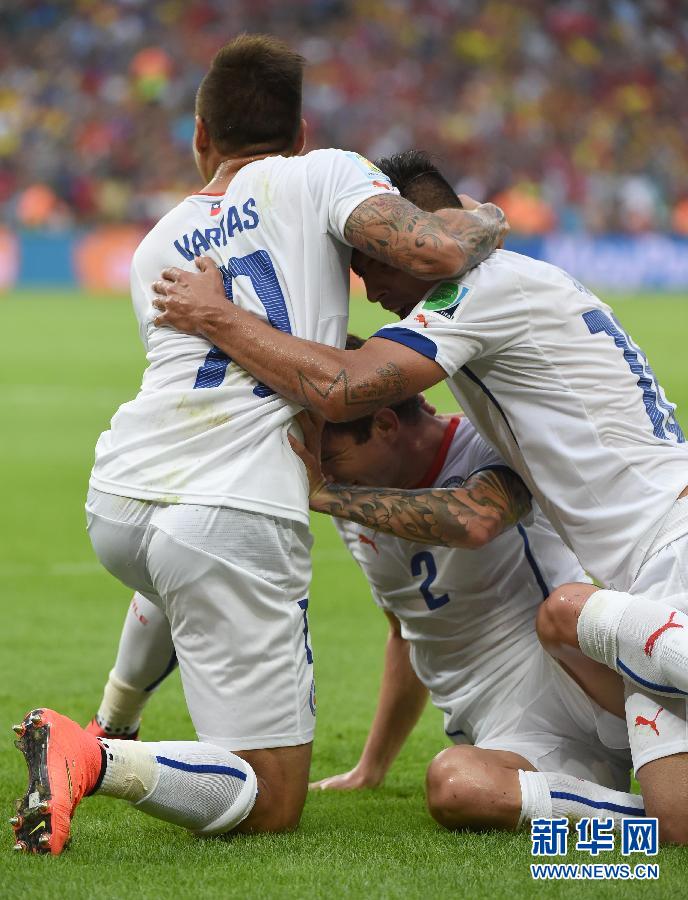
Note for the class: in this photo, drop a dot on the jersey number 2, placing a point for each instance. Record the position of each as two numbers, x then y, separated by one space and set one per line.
427 560
259 268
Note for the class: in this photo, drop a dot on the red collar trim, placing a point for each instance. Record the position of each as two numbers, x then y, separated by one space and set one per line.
208 194
431 475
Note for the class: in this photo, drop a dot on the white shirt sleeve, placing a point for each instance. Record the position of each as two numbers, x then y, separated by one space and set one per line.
458 321
339 181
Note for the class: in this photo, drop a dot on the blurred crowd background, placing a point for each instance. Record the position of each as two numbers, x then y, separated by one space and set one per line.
572 114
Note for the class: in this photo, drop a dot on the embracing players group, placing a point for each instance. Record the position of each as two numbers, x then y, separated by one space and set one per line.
479 533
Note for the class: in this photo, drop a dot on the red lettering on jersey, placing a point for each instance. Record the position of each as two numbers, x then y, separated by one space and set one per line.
652 640
366 540
383 184
421 318
641 720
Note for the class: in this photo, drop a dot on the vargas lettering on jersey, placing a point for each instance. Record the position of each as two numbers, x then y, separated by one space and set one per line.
233 221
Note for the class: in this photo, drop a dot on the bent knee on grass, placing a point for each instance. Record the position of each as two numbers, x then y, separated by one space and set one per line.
468 787
282 774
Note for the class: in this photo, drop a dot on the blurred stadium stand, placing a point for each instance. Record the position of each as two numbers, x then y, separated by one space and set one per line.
572 114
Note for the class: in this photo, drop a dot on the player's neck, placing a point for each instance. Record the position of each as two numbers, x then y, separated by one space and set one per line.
422 443
228 167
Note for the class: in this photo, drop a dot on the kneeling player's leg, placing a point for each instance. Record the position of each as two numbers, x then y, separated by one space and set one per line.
658 731
472 787
197 786
468 787
145 658
282 774
557 629
644 634
236 600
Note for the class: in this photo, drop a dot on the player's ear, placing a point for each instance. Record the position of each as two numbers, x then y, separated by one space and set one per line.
386 424
201 136
300 142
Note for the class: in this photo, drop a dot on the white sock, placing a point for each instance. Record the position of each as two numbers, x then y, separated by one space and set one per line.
145 657
204 788
647 642
131 771
121 707
536 802
146 653
555 795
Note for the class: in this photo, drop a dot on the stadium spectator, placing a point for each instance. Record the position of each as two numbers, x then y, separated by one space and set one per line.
574 111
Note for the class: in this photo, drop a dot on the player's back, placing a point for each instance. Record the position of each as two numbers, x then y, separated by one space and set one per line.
201 430
550 377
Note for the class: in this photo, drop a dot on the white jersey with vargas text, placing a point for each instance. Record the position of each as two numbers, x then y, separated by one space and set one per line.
549 376
201 430
468 614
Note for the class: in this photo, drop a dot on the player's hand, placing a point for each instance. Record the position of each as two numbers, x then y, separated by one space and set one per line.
355 780
309 451
189 300
470 204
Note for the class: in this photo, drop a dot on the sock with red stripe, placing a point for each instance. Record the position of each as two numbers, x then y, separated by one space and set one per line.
554 795
144 659
199 786
644 641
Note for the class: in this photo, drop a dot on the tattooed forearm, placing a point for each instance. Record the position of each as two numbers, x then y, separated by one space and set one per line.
480 239
468 517
426 245
388 385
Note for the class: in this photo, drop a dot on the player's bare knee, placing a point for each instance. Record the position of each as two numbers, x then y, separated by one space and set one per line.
557 617
271 821
451 792
673 829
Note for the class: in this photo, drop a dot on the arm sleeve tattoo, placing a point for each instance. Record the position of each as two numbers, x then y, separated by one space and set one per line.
396 232
388 385
470 516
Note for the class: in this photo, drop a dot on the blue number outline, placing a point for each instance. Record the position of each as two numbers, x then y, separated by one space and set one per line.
259 268
303 604
659 410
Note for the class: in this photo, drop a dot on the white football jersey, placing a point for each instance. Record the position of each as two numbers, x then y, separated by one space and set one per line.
468 614
549 377
201 430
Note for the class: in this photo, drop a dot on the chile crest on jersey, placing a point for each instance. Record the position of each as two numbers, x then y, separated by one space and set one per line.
235 220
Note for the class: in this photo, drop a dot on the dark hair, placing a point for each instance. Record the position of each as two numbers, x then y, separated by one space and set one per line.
251 95
361 429
419 180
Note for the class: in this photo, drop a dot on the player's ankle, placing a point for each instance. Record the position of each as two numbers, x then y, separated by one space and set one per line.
129 770
120 711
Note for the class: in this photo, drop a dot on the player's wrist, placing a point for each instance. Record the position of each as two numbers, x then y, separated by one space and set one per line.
370 775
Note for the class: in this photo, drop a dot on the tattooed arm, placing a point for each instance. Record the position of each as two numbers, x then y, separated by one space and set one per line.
444 244
338 384
471 516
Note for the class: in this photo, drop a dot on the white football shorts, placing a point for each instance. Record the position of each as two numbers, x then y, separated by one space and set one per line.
658 725
542 714
234 587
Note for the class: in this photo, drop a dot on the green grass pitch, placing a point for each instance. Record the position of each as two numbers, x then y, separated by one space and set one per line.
67 362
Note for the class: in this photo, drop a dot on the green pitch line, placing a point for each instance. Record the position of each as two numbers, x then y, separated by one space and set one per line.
67 362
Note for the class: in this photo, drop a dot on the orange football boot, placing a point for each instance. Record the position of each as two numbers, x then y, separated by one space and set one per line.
64 764
96 729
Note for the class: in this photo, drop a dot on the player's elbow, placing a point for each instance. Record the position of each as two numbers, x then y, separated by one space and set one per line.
476 537
333 409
